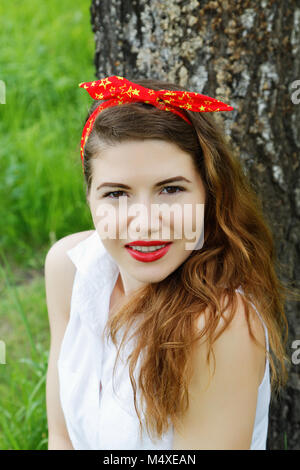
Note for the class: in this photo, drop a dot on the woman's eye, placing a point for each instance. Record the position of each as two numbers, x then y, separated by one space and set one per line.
174 190
113 192
174 187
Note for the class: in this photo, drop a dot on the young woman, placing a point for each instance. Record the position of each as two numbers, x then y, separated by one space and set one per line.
131 366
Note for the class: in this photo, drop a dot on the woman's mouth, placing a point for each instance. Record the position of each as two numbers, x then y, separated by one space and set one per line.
148 251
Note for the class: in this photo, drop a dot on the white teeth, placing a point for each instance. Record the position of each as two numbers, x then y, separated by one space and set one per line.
146 249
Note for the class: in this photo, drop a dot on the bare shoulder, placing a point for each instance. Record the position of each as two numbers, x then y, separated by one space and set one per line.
238 332
224 390
59 270
239 328
69 241
58 252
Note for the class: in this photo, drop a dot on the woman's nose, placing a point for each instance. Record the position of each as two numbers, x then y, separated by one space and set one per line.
144 217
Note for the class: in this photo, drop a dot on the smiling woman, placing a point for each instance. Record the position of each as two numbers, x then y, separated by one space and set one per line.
180 302
127 161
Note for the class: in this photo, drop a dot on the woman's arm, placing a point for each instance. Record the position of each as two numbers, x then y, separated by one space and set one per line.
59 275
221 413
59 278
59 443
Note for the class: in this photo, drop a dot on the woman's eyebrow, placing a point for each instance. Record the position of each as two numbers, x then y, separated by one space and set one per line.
160 183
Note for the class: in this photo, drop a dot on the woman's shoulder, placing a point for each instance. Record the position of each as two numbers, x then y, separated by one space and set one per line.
224 390
236 333
60 270
57 257
69 241
59 249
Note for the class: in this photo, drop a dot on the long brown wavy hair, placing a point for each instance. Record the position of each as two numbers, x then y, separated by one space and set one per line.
238 251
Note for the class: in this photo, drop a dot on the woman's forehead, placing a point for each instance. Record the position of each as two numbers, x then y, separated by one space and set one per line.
150 155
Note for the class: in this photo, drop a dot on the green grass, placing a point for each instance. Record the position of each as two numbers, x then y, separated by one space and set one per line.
47 49
24 328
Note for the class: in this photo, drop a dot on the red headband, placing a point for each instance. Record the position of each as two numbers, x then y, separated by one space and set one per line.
118 90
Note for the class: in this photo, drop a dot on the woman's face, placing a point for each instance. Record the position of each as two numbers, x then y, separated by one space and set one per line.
133 173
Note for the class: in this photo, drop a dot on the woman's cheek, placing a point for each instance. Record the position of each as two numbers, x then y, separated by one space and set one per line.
193 224
104 218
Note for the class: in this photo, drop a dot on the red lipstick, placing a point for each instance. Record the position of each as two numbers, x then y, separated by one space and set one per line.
147 243
148 256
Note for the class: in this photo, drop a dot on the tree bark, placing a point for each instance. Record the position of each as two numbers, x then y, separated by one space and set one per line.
247 54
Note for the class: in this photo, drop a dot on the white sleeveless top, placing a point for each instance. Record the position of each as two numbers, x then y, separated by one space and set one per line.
104 417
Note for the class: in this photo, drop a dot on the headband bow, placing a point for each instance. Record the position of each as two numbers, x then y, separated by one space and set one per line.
118 90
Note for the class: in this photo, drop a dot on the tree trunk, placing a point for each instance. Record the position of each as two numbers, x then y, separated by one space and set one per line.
246 53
